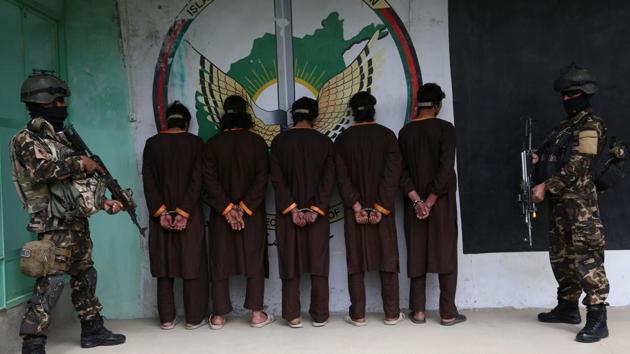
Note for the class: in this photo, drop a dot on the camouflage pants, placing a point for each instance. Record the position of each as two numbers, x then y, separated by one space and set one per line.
48 289
577 250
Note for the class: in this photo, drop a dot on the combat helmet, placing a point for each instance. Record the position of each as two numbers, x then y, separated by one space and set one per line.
573 78
43 87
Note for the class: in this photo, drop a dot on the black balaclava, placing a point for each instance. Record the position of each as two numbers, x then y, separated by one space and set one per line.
53 115
576 104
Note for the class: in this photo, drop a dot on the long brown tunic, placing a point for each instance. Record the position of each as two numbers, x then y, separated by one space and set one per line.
428 149
236 167
171 171
369 166
303 175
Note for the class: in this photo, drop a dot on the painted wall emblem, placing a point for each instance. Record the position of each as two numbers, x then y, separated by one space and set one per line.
328 62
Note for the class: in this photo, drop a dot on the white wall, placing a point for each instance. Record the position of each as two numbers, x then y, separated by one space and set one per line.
485 281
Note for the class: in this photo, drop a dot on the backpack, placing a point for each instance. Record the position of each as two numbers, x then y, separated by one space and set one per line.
609 167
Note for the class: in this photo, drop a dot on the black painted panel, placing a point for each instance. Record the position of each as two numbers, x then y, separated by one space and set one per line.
504 58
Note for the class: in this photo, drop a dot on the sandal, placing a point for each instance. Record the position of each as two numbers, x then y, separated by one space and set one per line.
195 326
349 320
401 316
458 319
216 326
417 321
320 324
168 325
262 324
295 325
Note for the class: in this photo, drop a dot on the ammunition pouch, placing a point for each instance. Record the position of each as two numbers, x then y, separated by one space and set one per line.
78 199
553 157
38 258
609 169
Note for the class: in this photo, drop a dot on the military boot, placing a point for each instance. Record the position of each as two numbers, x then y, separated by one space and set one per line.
94 334
565 312
34 345
595 328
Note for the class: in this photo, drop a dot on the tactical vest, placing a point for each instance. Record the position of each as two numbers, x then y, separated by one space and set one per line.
556 151
608 166
69 200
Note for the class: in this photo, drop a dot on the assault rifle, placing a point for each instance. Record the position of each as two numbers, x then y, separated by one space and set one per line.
528 208
118 193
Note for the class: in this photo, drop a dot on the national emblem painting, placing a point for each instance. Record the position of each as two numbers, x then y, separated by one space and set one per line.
324 50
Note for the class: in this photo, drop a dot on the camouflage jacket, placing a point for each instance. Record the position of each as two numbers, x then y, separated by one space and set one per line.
41 157
575 178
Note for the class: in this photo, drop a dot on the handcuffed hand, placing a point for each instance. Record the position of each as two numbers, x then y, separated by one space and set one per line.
166 221
361 216
310 217
179 224
375 217
422 210
235 218
112 206
298 218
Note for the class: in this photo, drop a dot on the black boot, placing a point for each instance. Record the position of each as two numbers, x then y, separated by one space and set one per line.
595 328
34 345
94 334
565 312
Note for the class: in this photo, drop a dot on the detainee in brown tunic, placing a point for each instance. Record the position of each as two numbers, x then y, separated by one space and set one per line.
428 148
236 167
369 165
172 176
303 175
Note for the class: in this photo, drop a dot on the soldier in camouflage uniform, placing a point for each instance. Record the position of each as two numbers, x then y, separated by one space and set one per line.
576 235
43 160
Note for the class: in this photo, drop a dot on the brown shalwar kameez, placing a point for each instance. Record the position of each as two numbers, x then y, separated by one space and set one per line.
303 175
369 166
428 149
235 174
172 177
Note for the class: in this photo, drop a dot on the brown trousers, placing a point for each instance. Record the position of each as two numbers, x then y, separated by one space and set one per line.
319 298
389 294
448 285
254 295
195 299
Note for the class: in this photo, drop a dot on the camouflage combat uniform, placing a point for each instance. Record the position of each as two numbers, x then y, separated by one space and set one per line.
576 235
45 157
